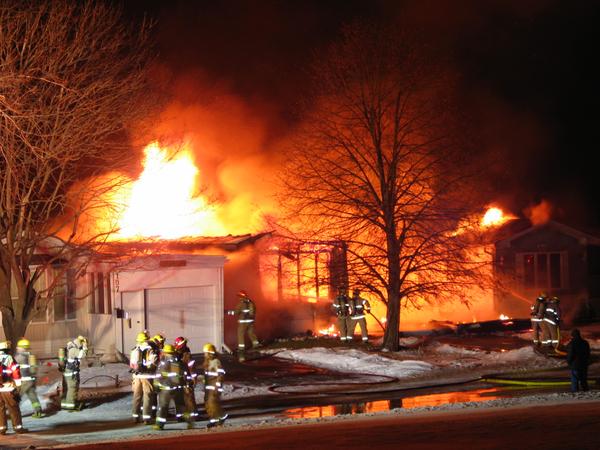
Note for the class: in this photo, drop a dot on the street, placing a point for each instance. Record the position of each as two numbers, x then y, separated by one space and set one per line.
560 426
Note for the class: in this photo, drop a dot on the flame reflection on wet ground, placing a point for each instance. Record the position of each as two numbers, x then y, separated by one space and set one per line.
478 395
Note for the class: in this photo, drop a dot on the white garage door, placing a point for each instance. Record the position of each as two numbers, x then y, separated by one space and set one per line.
185 311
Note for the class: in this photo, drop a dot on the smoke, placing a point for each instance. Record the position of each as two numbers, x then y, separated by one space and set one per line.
539 214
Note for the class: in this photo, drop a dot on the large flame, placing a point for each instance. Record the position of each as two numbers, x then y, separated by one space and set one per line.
163 202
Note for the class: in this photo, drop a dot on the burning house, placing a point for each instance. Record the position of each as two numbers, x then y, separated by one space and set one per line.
173 267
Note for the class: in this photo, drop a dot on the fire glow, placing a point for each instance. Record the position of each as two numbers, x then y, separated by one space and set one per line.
162 202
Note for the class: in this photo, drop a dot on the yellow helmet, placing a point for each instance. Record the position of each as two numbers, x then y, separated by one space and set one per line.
209 348
159 339
23 343
142 336
169 349
5 345
82 340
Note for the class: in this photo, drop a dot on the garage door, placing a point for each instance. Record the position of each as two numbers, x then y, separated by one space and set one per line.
185 311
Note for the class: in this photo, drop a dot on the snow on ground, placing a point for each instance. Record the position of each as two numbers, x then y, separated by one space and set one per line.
413 362
355 361
463 357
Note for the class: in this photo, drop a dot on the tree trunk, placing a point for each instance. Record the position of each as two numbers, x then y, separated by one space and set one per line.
391 336
14 328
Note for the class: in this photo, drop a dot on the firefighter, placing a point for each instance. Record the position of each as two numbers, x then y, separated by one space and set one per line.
341 308
5 356
213 386
358 308
10 381
185 355
143 362
69 363
157 343
552 322
245 312
537 318
170 381
28 366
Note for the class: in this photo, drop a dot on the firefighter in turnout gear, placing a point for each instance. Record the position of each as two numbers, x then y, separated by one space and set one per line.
358 308
341 307
10 381
157 342
170 381
185 355
552 322
143 362
69 362
213 386
245 313
28 365
537 317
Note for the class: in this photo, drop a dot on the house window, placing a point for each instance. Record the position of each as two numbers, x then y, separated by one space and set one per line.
99 300
543 270
65 305
39 286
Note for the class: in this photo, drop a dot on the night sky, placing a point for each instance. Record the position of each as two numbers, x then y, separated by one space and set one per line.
527 78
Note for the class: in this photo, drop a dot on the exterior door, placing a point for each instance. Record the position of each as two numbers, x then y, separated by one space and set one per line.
132 304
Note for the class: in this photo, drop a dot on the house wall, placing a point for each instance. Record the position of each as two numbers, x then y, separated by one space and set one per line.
104 330
48 337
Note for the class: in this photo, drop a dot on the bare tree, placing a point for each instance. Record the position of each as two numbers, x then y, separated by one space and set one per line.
376 166
73 77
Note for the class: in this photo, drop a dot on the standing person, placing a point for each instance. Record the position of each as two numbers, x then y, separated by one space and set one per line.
143 362
245 312
213 386
69 363
537 318
341 308
170 381
157 342
552 322
28 366
578 357
185 355
10 380
358 307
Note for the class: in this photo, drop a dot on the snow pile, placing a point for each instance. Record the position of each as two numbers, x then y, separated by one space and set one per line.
523 355
456 351
356 361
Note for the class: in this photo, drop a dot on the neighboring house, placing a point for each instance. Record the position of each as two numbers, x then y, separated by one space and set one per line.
553 258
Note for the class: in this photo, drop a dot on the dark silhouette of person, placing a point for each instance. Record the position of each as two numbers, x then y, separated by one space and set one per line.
578 357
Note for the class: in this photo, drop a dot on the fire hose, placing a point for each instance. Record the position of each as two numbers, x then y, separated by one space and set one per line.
376 320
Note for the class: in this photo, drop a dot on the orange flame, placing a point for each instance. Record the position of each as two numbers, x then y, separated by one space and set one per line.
162 203
494 217
329 331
